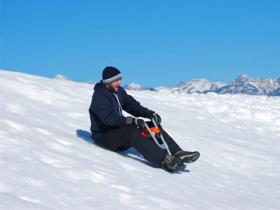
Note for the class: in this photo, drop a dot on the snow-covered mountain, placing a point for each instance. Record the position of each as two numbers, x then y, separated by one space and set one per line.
48 161
275 92
196 86
242 85
134 86
247 85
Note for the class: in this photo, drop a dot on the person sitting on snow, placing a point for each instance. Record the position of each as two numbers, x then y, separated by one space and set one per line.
113 131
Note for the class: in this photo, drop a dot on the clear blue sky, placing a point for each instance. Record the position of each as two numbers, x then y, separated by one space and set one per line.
152 42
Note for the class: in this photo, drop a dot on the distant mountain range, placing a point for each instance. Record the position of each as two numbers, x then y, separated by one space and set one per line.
242 85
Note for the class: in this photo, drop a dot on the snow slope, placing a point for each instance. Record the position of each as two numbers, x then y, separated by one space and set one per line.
47 160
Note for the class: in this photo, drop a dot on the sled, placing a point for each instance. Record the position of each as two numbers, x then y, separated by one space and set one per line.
155 133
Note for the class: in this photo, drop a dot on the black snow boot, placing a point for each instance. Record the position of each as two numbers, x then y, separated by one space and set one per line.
170 163
186 156
175 162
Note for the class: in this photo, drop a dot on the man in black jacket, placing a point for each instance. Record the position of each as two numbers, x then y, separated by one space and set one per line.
113 131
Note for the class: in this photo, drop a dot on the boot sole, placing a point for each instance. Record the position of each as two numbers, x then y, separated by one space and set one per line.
189 159
180 162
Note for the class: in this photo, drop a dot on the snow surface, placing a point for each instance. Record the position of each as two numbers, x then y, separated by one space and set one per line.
48 161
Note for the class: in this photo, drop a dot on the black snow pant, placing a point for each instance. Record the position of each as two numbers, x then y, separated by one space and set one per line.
120 139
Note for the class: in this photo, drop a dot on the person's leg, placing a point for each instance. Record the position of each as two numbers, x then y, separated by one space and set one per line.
173 146
118 139
147 147
122 138
181 156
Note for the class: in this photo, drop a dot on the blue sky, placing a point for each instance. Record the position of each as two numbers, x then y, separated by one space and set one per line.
152 42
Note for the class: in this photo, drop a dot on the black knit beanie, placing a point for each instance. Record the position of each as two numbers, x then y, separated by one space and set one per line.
110 74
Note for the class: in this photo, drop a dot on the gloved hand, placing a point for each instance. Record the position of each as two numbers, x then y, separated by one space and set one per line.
140 123
156 118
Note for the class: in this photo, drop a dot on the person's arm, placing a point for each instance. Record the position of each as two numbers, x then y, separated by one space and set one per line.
133 107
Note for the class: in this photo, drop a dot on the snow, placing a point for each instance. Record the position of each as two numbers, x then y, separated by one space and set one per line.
244 84
48 161
134 86
194 86
61 77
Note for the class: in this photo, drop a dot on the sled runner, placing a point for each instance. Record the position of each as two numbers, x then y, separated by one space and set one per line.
155 134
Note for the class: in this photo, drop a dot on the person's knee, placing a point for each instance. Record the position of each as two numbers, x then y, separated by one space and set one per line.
132 130
135 131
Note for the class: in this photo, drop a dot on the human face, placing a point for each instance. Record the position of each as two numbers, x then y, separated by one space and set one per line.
114 86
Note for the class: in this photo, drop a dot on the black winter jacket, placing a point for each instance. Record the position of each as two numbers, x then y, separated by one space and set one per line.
105 111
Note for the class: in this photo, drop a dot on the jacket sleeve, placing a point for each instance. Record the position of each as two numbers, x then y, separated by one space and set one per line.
105 112
133 107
